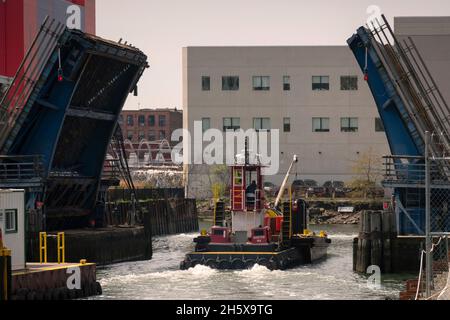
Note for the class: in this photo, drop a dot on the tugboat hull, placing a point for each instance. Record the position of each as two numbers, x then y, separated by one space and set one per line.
239 257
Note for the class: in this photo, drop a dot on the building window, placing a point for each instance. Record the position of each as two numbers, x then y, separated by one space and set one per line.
206 83
379 126
120 119
141 135
130 121
11 225
261 83
151 121
349 124
349 83
162 121
130 135
151 136
287 83
321 83
231 124
321 124
261 124
287 124
230 83
206 124
162 135
141 121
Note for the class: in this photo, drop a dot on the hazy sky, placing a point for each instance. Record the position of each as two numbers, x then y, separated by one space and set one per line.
162 27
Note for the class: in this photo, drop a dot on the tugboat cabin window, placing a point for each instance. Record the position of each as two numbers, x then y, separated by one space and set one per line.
219 232
238 177
259 233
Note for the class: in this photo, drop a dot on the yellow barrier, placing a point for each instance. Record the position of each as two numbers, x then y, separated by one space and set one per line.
43 247
1 239
61 248
5 258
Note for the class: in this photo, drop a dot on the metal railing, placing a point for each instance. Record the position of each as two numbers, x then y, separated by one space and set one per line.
426 108
111 169
15 104
408 171
21 168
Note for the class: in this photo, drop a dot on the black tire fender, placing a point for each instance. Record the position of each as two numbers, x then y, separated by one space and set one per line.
238 264
224 265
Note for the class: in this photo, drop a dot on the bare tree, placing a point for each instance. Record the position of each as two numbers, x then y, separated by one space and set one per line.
367 169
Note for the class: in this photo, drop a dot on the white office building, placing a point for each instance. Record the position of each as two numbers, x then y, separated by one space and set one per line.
315 96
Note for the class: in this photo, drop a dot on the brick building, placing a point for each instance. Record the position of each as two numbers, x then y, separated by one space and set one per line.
150 124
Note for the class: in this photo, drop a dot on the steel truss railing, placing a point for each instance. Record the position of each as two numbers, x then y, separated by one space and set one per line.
14 105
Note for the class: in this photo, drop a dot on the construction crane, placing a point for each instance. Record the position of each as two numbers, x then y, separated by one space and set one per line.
285 182
274 211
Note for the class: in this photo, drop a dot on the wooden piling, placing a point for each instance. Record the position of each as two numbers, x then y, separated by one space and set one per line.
388 235
364 252
376 245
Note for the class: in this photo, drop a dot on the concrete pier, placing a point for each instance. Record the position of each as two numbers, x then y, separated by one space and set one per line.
103 246
50 282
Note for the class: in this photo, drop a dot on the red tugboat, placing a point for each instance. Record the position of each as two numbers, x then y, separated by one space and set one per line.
257 235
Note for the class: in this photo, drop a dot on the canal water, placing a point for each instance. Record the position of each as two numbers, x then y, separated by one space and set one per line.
161 278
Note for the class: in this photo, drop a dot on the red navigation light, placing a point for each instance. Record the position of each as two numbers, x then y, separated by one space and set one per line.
366 77
60 75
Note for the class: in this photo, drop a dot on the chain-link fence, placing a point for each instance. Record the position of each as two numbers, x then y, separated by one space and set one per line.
437 215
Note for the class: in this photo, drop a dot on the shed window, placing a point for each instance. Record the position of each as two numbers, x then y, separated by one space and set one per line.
11 221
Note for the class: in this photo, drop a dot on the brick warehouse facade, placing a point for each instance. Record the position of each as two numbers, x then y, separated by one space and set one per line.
150 124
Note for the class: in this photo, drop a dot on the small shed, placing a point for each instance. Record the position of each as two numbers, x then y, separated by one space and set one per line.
12 224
